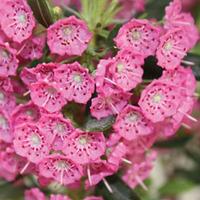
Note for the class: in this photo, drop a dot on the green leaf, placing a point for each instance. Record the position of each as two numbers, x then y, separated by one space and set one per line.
176 187
112 35
156 9
9 192
176 142
43 11
120 190
103 124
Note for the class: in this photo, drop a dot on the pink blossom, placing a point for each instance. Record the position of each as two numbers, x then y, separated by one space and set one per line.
160 100
25 113
109 103
131 123
57 127
97 172
93 198
47 96
17 19
172 48
84 147
59 197
33 48
68 36
6 129
138 35
61 169
176 18
123 71
30 142
8 60
34 194
187 84
139 171
75 82
28 76
130 7
6 84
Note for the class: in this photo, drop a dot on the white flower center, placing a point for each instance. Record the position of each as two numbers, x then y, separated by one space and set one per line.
157 98
67 31
168 46
133 117
60 128
77 78
83 141
136 35
21 18
3 122
60 165
120 67
5 54
35 140
2 97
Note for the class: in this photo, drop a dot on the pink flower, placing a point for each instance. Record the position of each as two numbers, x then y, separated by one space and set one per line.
28 76
84 147
93 198
47 96
131 123
97 172
5 84
140 36
7 100
176 18
108 103
33 47
31 143
60 169
57 128
130 7
75 82
173 47
34 194
139 171
59 197
123 71
6 129
8 60
160 100
17 19
187 84
25 113
68 36
115 155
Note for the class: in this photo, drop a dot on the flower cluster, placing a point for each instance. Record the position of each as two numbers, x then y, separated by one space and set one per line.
36 135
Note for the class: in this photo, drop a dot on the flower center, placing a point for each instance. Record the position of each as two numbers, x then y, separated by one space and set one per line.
3 122
67 30
168 46
35 140
5 54
136 35
29 112
51 90
120 67
83 140
133 117
2 97
77 78
60 128
21 18
157 98
60 165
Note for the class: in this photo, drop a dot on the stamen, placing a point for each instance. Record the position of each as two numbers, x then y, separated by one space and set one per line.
24 168
186 126
27 93
138 179
127 161
107 185
187 62
89 175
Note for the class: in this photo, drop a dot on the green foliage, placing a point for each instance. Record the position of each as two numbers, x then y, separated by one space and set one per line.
175 187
